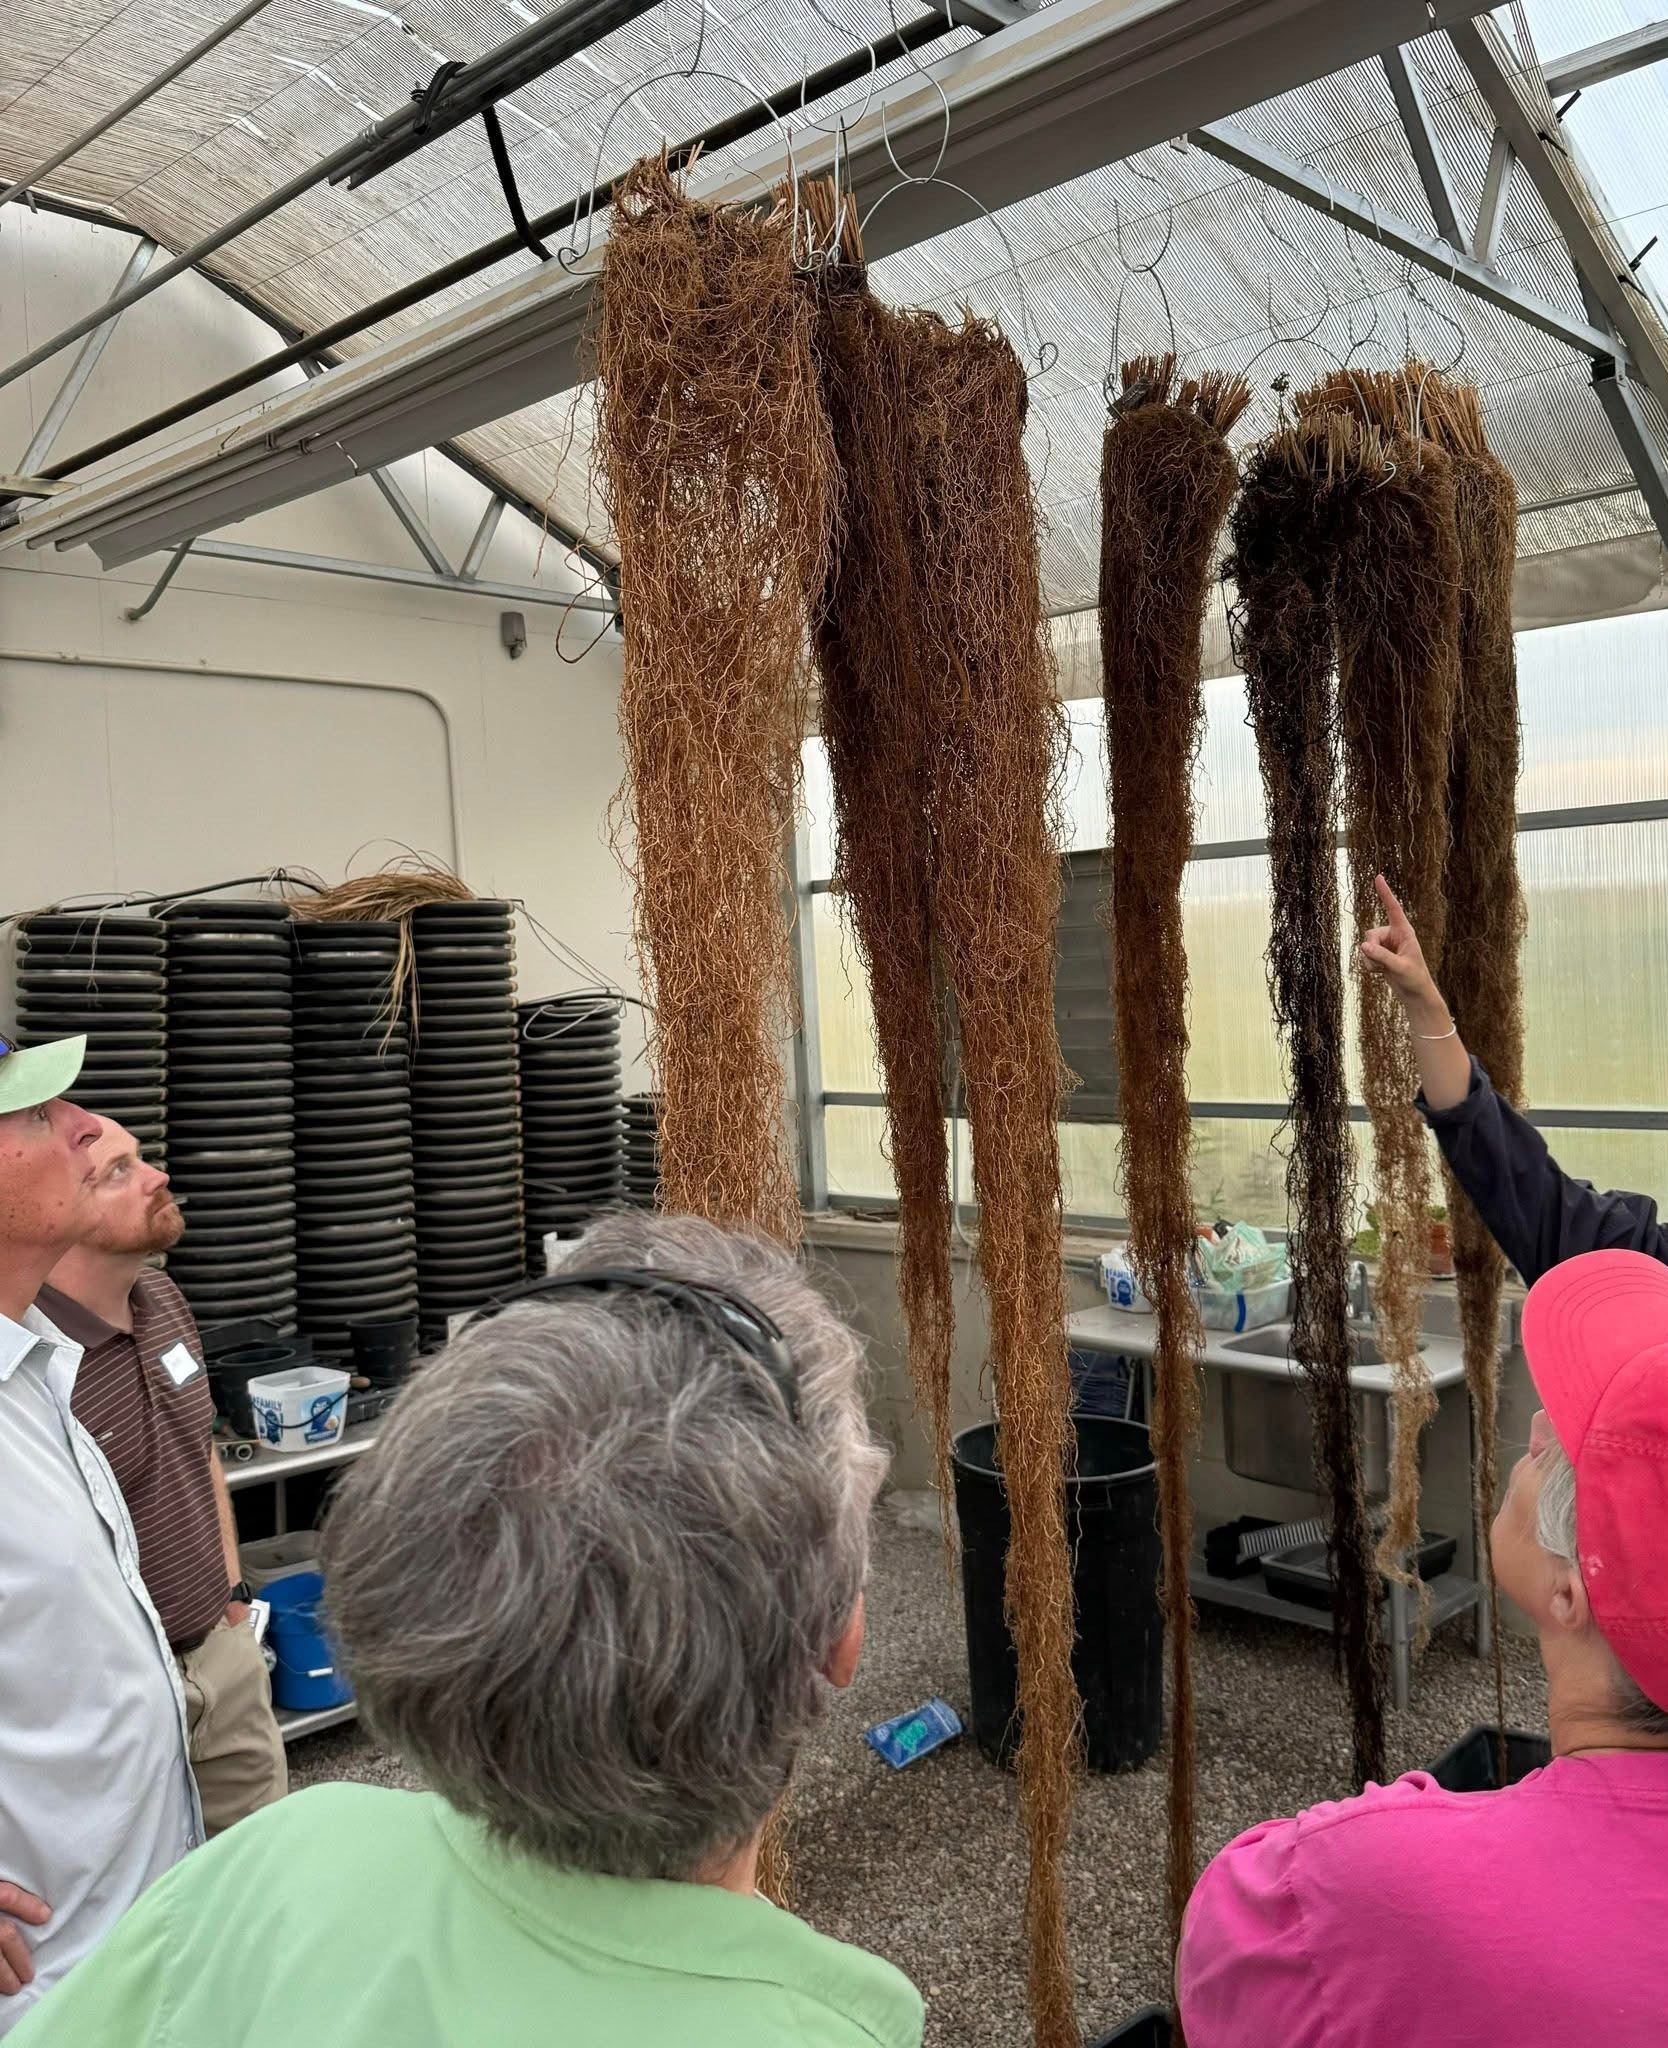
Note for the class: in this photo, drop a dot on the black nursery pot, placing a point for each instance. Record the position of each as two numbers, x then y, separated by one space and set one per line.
1148 2028
1112 1527
231 1371
1473 1763
383 1352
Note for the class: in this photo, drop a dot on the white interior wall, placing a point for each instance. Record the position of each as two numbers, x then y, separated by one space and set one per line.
261 715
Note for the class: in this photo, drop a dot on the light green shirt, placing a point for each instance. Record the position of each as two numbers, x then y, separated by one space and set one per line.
353 1917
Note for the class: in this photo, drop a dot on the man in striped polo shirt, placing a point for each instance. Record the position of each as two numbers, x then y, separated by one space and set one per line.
142 1394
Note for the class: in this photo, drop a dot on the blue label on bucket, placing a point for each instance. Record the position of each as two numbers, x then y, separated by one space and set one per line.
912 1735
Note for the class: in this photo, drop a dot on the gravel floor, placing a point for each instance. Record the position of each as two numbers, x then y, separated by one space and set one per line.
925 1865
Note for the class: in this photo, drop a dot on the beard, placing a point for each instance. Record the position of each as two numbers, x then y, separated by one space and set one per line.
159 1230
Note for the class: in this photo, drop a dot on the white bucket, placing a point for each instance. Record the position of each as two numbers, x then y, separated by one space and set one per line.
302 1409
275 1557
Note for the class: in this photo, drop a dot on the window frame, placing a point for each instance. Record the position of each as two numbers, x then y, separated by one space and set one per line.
814 1101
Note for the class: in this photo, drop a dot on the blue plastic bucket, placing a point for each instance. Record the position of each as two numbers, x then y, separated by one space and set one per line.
306 1674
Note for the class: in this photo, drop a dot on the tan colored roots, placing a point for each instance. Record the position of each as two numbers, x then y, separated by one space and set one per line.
996 893
1300 490
880 708
1397 617
1482 969
1167 478
722 484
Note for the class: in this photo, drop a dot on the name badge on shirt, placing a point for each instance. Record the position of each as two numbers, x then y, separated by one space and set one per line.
179 1364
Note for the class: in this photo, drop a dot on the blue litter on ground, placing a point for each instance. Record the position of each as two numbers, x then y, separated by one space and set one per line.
913 1734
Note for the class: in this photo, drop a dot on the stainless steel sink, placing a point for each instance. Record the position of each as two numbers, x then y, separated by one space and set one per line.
1267 1431
1275 1342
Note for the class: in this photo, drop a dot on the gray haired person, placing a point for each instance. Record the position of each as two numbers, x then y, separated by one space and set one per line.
595 1584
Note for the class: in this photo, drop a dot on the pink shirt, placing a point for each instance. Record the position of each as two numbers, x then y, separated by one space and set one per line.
1535 1917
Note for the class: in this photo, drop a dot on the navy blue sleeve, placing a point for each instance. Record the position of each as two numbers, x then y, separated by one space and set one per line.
1537 1214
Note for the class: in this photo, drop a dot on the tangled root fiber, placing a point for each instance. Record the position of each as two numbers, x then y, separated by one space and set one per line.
1396 615
1298 493
879 721
1167 479
1482 968
722 483
997 763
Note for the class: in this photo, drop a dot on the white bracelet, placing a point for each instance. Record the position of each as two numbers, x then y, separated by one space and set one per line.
1437 1037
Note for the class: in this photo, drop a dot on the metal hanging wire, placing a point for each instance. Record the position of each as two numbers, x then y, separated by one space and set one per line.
1116 398
575 251
1043 354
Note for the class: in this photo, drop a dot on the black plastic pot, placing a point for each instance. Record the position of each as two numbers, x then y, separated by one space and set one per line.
1473 1763
231 1371
384 1351
1148 2028
1112 1526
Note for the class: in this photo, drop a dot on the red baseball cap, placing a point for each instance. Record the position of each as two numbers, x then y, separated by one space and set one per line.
1595 1331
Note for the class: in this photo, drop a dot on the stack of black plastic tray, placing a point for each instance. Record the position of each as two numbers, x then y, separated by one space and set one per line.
104 974
570 1115
355 1184
231 1108
465 1110
641 1185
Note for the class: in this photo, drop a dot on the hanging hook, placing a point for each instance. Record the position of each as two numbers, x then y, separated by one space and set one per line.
1150 270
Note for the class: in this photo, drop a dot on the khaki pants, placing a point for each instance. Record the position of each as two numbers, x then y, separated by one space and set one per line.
236 1750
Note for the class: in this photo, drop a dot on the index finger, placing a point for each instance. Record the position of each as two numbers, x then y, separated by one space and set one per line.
1393 911
22 1905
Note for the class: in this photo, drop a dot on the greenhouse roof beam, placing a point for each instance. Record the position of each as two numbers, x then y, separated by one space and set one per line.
1552 168
1614 58
1261 160
1065 91
1425 144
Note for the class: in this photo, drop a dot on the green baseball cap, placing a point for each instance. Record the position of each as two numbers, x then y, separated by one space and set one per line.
39 1074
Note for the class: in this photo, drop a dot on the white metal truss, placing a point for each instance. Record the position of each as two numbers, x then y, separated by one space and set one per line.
1041 100
1057 94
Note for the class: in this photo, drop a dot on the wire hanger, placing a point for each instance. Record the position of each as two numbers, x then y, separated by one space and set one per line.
575 252
1042 354
1117 399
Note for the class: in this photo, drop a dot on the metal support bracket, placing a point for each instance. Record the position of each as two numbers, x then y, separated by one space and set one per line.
1638 443
1426 145
86 361
409 517
1491 208
483 538
1576 209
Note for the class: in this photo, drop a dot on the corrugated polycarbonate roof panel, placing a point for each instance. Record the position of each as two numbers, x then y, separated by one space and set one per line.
1245 277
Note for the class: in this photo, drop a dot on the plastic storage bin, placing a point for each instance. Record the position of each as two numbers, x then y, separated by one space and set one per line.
276 1557
305 1675
1112 1525
231 1370
299 1410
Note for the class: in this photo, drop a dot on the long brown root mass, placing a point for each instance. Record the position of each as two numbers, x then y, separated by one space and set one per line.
1167 479
1299 493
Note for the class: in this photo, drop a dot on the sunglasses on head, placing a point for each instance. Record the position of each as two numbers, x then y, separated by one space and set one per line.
718 1309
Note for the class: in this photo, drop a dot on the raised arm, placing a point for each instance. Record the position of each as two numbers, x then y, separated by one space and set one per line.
1392 950
1537 1214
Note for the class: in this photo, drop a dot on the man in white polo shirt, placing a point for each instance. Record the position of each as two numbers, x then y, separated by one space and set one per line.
96 1794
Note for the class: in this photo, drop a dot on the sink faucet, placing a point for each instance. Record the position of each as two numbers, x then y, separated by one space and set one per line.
1360 1293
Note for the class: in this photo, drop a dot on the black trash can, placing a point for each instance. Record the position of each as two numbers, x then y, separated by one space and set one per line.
1112 1525
1473 1763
